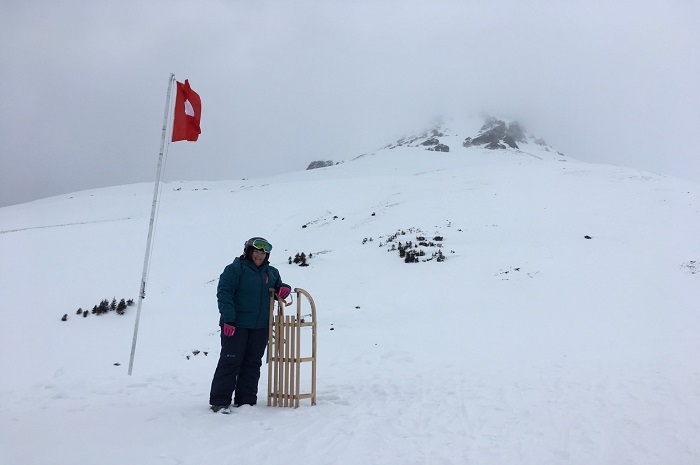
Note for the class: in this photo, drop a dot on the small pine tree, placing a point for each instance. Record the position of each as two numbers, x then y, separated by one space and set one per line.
80 310
121 307
103 307
113 305
64 317
85 314
130 302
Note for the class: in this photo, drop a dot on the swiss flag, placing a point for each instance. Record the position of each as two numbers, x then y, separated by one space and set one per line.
188 111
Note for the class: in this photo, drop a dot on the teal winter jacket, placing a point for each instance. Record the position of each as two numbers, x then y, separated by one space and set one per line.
243 293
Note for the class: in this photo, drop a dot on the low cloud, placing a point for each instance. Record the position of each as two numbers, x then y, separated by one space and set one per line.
283 84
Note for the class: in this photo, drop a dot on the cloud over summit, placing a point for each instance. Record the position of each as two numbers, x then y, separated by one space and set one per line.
284 85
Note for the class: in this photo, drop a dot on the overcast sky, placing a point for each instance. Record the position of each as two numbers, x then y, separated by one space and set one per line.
285 83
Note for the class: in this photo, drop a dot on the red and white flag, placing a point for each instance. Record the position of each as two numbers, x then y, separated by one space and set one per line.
188 112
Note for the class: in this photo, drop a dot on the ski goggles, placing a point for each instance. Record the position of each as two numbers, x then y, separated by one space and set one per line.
262 244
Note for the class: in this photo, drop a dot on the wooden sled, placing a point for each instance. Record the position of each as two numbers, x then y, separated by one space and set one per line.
284 351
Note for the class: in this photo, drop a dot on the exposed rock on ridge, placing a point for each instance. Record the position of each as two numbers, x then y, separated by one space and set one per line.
320 164
495 134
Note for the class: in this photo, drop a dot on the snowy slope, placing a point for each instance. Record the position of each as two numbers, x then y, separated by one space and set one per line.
529 344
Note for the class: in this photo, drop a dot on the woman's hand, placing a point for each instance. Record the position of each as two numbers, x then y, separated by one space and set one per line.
228 329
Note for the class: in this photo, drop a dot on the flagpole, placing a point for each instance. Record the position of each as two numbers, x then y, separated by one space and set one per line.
149 241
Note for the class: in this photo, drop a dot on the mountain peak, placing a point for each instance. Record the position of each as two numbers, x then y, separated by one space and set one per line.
496 134
482 132
485 131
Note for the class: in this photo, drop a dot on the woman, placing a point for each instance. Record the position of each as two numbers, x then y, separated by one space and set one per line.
243 295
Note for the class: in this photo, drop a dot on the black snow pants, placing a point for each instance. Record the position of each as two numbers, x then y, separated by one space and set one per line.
238 369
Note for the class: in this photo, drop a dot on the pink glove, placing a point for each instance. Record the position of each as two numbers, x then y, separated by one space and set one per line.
284 292
228 329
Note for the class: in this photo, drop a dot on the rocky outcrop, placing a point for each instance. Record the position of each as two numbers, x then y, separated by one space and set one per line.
319 164
430 136
495 134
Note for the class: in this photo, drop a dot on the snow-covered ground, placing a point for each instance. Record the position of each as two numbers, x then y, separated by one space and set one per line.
529 344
